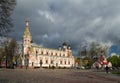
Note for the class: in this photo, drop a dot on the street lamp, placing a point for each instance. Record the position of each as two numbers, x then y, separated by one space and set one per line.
82 53
80 59
27 58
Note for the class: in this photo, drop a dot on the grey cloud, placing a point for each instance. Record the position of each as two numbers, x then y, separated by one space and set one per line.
75 21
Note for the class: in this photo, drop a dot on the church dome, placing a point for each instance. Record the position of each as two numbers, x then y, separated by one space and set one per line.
27 31
64 44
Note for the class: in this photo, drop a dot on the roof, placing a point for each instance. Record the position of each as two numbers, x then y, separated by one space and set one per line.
27 32
64 44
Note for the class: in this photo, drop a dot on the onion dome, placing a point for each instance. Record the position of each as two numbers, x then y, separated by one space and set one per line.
64 44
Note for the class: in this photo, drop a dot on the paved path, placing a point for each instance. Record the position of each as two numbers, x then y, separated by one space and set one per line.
55 76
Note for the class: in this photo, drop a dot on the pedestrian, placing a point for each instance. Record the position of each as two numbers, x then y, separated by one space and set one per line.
97 67
26 63
41 63
13 65
107 69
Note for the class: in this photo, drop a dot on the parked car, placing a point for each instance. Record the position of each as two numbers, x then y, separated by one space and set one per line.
88 67
79 67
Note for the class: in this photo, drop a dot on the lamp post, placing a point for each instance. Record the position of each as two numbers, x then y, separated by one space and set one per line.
22 57
27 58
37 56
80 56
54 64
80 59
83 52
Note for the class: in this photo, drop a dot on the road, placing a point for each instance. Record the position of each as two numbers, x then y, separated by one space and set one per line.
55 76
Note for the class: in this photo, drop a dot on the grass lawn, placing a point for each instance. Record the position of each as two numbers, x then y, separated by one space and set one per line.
117 73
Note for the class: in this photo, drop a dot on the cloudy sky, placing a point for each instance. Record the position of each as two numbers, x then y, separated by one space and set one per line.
77 22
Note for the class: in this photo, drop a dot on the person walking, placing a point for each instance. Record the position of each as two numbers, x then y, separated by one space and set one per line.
41 63
107 69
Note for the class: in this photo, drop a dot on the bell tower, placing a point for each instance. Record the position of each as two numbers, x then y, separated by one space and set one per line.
26 41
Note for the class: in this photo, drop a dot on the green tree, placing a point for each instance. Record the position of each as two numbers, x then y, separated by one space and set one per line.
77 60
5 50
1 56
119 61
6 8
10 49
115 60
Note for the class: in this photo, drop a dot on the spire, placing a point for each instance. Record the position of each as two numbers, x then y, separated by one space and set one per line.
27 31
27 22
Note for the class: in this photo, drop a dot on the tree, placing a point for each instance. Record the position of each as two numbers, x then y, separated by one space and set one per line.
5 50
115 60
6 8
77 60
10 49
1 56
83 52
97 50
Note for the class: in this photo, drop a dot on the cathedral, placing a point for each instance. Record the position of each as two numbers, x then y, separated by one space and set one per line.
38 56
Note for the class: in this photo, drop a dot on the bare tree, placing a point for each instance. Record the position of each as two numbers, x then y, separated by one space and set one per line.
97 49
6 8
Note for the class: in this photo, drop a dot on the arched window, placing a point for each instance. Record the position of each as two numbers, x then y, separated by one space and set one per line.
60 62
56 54
47 52
65 62
41 52
60 54
68 62
51 61
51 53
46 61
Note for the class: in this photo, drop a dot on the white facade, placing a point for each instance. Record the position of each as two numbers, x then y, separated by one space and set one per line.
36 56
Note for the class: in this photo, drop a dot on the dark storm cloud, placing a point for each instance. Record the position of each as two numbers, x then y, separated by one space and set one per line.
52 22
